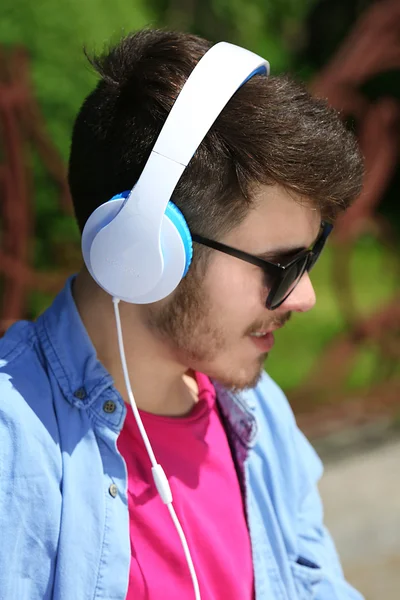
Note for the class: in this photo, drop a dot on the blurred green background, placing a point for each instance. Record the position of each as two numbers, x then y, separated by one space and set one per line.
297 36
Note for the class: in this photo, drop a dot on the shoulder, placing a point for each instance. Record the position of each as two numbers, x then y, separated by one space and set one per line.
28 426
23 370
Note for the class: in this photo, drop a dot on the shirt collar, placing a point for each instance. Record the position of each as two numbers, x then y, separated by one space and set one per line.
70 352
238 412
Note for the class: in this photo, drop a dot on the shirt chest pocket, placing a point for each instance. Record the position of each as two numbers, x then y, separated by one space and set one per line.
306 576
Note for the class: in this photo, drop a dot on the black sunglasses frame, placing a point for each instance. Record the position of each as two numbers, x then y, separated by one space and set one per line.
302 262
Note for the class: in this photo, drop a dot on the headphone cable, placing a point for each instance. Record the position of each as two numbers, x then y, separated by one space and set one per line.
160 479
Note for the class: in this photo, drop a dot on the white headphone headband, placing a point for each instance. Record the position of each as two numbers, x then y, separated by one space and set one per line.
217 76
210 86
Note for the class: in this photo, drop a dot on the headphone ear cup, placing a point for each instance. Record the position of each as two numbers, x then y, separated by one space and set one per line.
176 248
102 216
176 217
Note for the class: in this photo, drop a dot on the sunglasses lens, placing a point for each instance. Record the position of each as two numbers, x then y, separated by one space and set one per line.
286 284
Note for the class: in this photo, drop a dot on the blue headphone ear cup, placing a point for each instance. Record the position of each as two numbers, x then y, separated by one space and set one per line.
177 218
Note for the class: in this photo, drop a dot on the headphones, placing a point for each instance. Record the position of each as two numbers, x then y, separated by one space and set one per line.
138 246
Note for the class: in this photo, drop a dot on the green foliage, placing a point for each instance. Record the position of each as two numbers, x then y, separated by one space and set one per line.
272 28
54 34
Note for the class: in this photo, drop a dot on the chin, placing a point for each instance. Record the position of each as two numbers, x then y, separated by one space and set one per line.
241 378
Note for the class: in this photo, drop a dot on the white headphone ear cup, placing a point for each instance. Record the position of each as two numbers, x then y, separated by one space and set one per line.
102 216
123 283
126 257
175 261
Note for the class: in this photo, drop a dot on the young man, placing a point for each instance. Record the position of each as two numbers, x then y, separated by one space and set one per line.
79 512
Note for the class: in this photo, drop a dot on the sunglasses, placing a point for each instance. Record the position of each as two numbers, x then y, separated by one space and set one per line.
280 279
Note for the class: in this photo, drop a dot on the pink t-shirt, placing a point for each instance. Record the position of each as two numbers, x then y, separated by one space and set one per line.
196 458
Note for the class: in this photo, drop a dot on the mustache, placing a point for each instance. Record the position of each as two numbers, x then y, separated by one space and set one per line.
275 323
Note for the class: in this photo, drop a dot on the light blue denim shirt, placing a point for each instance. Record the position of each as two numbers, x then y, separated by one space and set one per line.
64 529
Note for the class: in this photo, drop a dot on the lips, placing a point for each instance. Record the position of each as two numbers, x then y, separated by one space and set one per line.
265 342
264 339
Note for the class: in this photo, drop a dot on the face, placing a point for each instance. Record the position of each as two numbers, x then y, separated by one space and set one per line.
217 323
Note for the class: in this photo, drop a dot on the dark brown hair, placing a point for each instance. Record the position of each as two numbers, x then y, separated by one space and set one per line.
271 131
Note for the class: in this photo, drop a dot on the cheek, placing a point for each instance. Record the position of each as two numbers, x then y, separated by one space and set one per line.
235 293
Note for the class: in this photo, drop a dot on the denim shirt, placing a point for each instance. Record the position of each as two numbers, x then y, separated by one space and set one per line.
64 528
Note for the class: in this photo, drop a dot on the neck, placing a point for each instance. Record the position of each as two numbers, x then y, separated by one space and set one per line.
159 383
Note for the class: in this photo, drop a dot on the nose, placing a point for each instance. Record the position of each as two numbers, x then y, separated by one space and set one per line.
302 298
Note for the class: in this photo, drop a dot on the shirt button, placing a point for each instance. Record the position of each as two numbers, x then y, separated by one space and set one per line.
113 490
80 393
109 406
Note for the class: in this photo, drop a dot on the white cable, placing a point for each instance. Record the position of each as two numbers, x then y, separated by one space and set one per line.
186 550
159 476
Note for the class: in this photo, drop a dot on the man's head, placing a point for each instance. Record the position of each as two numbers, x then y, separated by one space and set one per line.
275 162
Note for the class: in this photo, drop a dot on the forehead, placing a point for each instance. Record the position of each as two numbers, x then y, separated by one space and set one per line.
277 219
